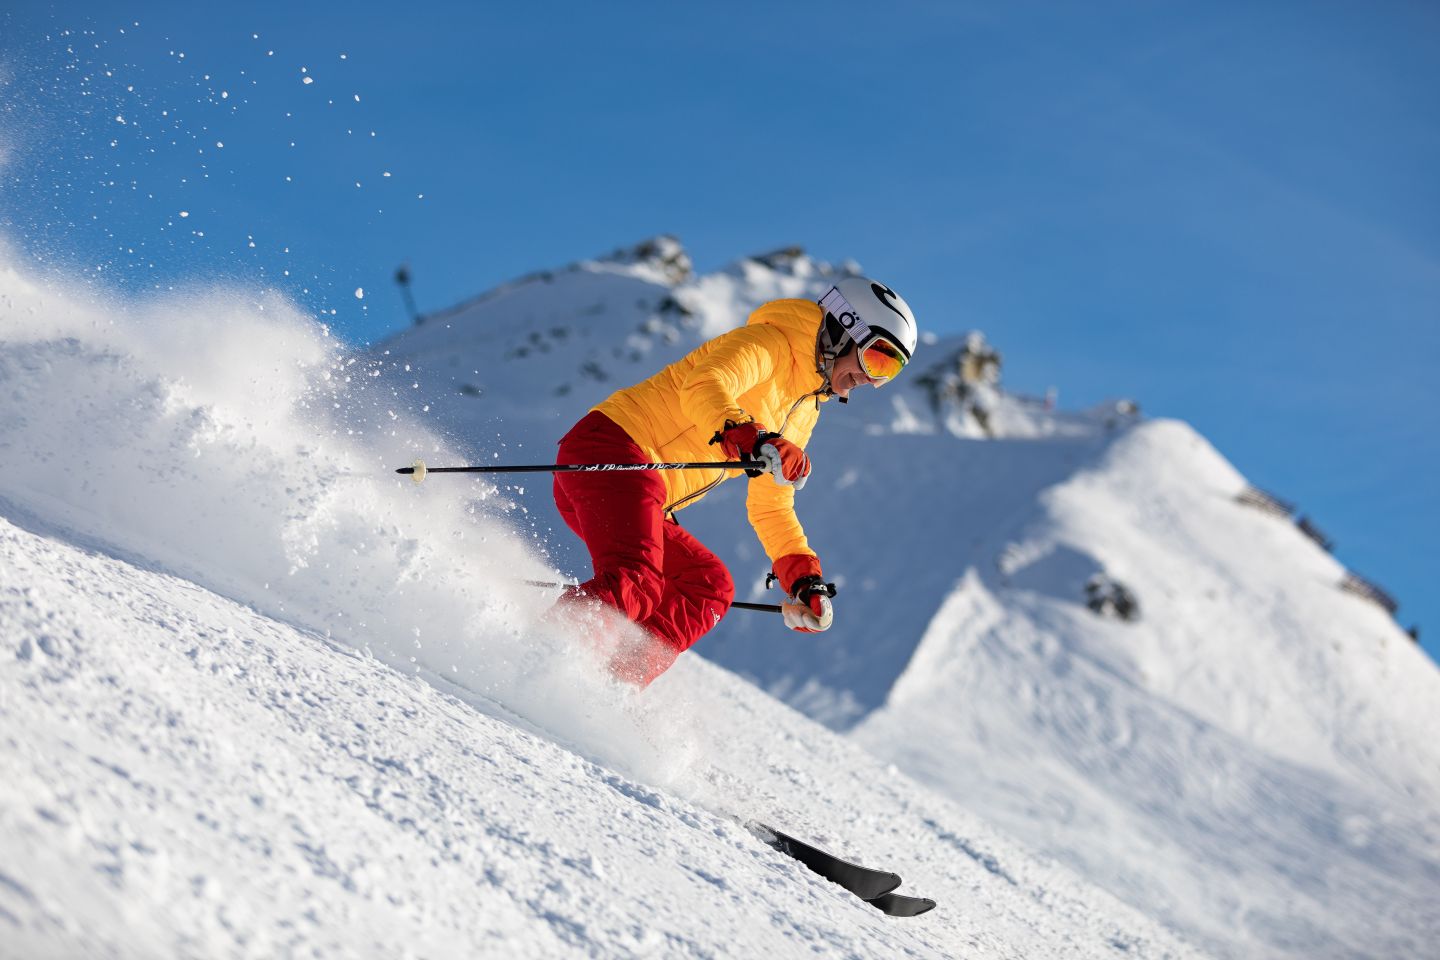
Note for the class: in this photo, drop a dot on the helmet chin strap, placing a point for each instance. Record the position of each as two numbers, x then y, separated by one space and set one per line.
825 364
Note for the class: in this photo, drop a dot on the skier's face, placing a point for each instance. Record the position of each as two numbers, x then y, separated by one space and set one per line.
849 374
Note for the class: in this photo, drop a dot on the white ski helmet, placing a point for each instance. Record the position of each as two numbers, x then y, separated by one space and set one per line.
861 310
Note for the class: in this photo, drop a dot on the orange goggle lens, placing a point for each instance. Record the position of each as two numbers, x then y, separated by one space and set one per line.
882 360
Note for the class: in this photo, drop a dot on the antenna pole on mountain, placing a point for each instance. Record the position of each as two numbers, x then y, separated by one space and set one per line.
402 280
418 471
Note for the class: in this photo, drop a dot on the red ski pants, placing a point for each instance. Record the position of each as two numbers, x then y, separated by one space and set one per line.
647 567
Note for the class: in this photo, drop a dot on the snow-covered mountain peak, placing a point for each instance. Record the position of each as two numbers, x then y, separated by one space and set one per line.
663 255
566 338
571 336
1245 707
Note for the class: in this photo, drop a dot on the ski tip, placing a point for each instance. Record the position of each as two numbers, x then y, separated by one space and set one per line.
899 905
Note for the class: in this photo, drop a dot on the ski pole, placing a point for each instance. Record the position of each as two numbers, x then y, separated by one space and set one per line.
418 471
739 605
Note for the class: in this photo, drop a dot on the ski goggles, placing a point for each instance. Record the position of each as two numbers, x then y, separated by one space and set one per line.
881 360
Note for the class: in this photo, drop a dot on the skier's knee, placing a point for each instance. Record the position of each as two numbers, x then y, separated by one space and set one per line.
713 582
724 586
642 590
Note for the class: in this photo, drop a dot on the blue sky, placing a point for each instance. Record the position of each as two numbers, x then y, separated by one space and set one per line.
1227 211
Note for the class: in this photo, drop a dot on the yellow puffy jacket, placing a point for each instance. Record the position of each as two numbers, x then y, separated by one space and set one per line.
763 371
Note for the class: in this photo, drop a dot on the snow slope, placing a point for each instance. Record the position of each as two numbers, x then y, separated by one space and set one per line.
261 697
1252 762
187 777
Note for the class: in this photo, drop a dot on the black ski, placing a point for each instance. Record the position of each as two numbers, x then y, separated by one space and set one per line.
899 905
865 882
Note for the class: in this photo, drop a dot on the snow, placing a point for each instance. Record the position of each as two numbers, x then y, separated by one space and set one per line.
190 777
1251 762
263 697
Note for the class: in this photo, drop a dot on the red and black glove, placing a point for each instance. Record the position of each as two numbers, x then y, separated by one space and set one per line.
775 454
807 607
739 440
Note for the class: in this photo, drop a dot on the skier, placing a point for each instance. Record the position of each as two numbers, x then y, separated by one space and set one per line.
753 393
